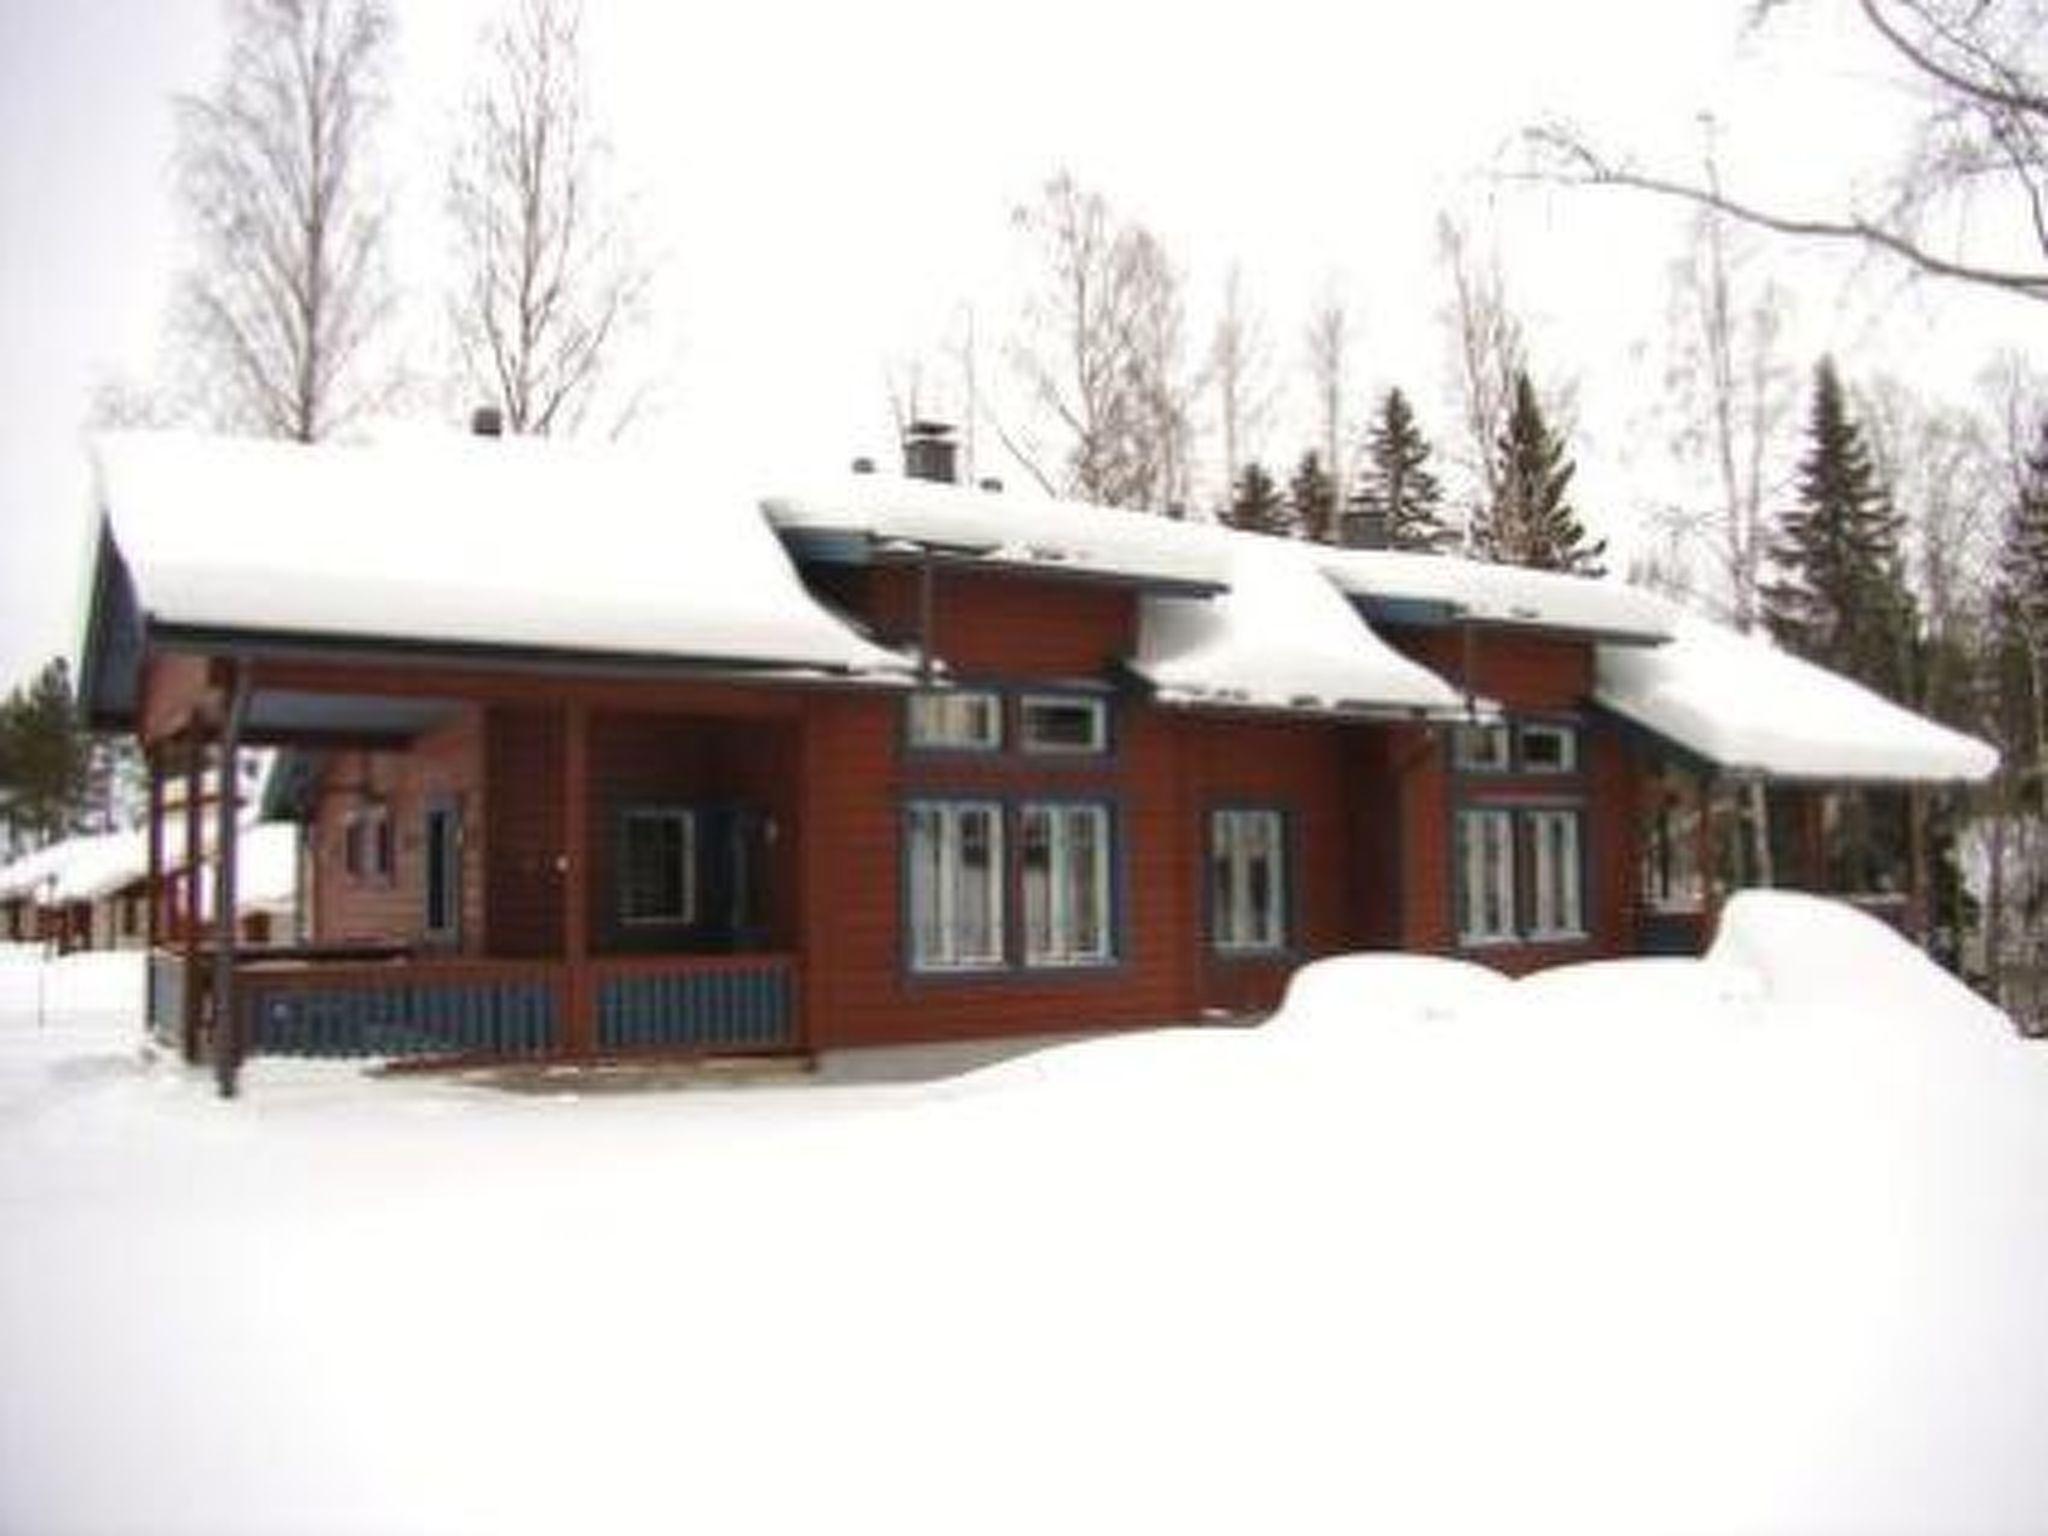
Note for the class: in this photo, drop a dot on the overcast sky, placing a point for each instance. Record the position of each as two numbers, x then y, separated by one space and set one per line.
831 185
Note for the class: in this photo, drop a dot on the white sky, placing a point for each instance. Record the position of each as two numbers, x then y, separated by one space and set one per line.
833 186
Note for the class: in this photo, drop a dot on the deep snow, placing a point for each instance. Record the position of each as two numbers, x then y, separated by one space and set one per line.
1753 1243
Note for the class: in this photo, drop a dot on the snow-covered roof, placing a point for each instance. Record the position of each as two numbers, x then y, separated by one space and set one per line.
23 876
100 865
1750 708
504 543
1507 595
1281 637
1006 528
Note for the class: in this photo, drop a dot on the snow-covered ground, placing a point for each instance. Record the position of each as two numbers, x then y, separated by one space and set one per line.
1754 1243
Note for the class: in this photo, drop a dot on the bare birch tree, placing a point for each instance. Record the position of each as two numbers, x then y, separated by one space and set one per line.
1980 146
288 288
550 277
1488 352
1101 354
1327 343
1241 368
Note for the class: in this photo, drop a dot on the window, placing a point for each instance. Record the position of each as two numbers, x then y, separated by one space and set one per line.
960 720
443 873
1247 881
1554 879
955 854
1481 749
1486 876
1053 724
366 843
1064 851
1519 875
1549 749
657 866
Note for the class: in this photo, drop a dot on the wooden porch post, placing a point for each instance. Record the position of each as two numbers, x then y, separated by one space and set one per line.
579 1035
1710 862
227 1031
1813 853
188 920
1919 874
153 925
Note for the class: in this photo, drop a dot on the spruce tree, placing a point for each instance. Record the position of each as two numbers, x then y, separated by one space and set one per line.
43 758
1840 595
1530 522
1398 503
1312 499
1256 505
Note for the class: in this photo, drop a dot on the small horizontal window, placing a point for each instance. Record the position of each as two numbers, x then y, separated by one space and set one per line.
965 719
1481 748
1054 724
1549 749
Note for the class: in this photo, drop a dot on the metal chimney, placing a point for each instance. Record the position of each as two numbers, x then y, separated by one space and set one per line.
487 421
929 452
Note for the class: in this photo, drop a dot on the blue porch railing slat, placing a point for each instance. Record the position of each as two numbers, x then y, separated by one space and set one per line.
730 1006
422 1017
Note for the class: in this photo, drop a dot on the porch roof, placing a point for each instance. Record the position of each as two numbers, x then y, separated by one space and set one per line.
1749 708
1280 637
447 542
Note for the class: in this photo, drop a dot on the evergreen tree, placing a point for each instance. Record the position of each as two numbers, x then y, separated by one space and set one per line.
1312 498
2021 613
1398 503
1256 505
43 758
1840 597
1530 522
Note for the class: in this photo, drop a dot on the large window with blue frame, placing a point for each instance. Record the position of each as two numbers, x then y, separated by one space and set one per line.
994 882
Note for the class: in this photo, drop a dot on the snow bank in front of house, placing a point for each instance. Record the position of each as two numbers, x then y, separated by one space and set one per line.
104 986
1282 638
1627 1247
501 542
1749 707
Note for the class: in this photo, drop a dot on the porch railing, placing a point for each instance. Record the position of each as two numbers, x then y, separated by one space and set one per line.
164 1003
404 1008
504 1009
697 1003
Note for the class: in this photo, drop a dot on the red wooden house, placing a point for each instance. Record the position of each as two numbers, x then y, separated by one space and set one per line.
595 756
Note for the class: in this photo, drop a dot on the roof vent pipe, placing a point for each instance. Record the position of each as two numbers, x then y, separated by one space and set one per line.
487 421
929 452
863 465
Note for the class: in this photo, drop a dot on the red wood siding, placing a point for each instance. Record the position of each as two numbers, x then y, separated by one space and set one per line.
524 837
1002 625
445 764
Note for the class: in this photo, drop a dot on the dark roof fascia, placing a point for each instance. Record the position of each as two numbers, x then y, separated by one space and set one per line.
539 661
863 547
111 601
1655 742
1433 613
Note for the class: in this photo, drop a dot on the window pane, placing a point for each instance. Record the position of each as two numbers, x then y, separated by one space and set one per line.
1487 866
1247 880
1480 747
1066 884
926 859
955 858
1549 749
960 718
1554 839
1062 725
656 877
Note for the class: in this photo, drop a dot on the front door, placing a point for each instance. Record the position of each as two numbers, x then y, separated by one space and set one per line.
443 917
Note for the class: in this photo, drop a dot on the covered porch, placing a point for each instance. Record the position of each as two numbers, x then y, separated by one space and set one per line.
1759 769
494 870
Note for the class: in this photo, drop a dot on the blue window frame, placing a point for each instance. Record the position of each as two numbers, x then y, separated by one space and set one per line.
1248 880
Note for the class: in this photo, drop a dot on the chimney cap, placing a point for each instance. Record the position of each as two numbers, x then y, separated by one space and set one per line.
487 421
924 426
863 465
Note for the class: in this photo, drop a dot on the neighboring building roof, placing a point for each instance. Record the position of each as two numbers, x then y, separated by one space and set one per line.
1280 637
1750 708
88 867
464 542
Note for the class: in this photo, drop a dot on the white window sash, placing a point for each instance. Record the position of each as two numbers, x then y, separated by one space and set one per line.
1067 900
956 913
1246 842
